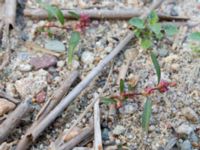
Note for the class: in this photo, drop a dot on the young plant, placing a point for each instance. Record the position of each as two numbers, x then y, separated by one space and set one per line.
162 86
150 29
73 42
75 36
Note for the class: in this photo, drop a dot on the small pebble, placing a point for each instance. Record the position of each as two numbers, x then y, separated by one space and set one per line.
184 129
25 67
131 54
190 114
173 12
105 134
87 57
186 145
41 96
60 63
55 45
128 109
43 62
119 129
194 138
175 67
163 52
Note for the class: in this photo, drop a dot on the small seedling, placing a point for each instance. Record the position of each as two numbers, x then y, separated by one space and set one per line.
73 42
162 86
150 29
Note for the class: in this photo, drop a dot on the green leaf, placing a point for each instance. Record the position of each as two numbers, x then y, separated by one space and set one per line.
146 114
121 86
156 28
195 49
159 36
52 11
59 15
170 30
195 36
156 66
108 101
73 14
146 43
152 18
137 32
137 22
73 42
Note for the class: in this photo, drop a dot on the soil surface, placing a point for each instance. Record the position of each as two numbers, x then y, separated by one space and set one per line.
175 120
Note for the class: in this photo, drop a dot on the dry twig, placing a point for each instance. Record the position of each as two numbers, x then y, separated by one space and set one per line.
14 118
7 20
101 14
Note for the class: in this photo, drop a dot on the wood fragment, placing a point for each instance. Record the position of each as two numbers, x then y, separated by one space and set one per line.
7 18
14 118
87 132
97 127
38 48
8 97
101 14
32 135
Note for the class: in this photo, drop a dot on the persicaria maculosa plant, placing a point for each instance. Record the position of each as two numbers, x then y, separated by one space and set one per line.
147 31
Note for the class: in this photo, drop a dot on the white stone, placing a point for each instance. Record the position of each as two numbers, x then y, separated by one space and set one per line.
190 114
131 54
25 67
87 57
184 129
119 130
32 84
60 63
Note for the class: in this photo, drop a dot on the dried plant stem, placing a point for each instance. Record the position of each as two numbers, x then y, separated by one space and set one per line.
100 14
87 132
13 119
32 135
7 17
97 127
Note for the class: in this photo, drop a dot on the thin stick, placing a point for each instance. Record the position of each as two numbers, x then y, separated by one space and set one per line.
32 135
97 127
13 119
100 14
87 132
8 19
8 97
57 95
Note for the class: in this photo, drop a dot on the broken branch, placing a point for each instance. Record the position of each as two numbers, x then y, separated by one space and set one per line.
100 14
13 119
